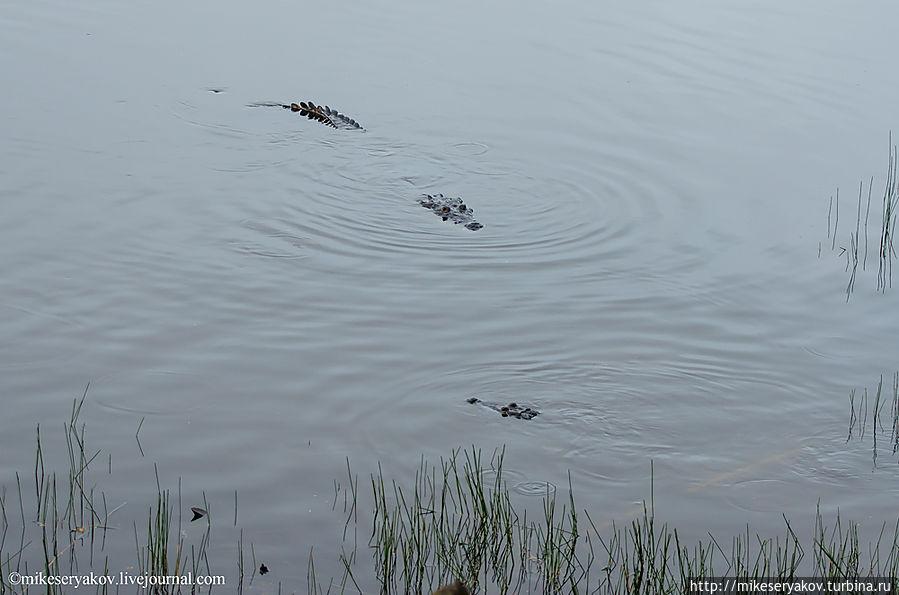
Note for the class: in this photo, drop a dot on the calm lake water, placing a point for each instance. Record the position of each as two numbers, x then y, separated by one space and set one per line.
654 272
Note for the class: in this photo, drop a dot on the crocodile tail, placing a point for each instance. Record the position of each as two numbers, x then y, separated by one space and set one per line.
342 120
312 111
320 113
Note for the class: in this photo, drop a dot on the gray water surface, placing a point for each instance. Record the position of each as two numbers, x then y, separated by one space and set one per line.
267 295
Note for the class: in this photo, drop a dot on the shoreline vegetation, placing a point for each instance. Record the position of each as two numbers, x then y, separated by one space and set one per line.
455 522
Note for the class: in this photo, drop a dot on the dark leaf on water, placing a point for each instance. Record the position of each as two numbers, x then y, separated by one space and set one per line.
199 513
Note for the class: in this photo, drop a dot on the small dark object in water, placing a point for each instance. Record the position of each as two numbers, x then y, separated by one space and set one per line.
199 513
457 588
510 410
450 209
263 569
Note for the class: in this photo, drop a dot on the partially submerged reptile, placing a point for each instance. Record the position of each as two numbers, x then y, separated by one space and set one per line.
511 410
447 208
319 113
450 209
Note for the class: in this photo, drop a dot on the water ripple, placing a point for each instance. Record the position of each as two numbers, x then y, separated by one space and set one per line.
27 343
359 201
172 392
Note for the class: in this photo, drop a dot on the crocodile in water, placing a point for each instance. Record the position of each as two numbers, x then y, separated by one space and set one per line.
447 208
511 410
450 209
319 113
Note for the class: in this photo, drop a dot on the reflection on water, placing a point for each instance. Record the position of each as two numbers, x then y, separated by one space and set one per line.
270 294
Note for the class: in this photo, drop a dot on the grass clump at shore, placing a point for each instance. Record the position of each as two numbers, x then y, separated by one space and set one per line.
66 530
453 524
